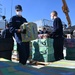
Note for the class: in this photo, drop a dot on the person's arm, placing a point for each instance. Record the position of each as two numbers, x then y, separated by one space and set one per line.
3 34
57 27
12 28
23 30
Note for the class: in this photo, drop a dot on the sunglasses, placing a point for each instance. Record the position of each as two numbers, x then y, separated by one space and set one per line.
18 10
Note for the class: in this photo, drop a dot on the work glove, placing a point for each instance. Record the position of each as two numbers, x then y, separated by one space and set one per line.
23 31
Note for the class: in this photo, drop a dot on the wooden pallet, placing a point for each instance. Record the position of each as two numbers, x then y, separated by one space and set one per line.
17 59
38 63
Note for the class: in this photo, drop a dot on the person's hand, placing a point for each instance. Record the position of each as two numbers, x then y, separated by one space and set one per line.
19 30
23 31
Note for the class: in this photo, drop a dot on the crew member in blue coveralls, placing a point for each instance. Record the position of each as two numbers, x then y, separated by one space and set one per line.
16 21
57 35
6 33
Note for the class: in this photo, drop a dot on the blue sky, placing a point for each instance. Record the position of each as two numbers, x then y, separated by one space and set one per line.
39 9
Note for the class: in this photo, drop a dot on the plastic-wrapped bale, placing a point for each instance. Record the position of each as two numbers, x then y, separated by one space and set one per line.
69 43
42 54
6 47
45 42
31 31
42 51
70 49
70 53
43 57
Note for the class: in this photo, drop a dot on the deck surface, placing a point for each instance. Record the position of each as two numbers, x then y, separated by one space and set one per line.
62 67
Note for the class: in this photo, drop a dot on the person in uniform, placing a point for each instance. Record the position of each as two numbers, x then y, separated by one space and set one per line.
16 21
6 33
57 36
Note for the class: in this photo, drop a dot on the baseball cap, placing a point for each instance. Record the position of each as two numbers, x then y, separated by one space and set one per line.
18 7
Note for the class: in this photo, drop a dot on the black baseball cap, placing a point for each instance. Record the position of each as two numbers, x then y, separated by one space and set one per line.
18 7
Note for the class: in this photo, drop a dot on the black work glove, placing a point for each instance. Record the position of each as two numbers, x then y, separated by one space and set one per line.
23 31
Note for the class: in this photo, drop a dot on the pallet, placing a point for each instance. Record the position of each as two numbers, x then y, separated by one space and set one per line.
32 62
16 59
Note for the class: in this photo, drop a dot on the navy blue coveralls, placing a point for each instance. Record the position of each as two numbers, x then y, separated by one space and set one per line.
22 47
57 35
